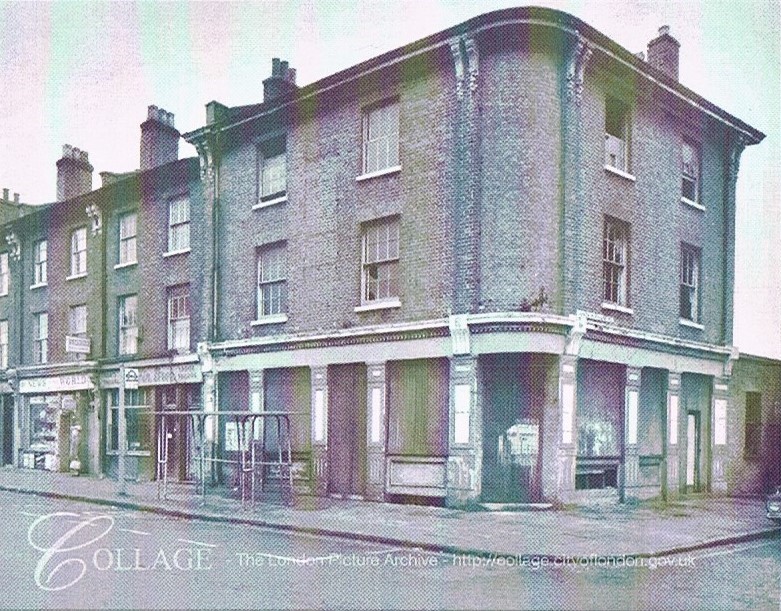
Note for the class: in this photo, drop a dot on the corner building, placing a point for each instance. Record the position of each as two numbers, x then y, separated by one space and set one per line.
495 265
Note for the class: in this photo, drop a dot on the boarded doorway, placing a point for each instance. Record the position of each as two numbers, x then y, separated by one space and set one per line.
347 429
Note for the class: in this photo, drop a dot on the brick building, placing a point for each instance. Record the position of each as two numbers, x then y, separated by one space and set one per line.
101 278
494 265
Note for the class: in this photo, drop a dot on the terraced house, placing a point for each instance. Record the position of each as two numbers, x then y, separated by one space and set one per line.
494 265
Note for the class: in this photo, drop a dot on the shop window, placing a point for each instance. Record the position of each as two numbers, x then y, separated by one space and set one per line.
418 393
139 418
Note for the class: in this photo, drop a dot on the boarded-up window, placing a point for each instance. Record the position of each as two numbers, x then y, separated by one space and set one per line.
418 394
288 390
233 391
753 424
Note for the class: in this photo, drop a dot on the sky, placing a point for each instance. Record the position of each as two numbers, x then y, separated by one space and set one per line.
83 73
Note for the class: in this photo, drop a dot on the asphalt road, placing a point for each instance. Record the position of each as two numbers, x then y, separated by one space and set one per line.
61 554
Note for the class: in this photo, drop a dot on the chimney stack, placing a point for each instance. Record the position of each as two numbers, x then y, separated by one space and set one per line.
159 138
74 173
663 52
281 82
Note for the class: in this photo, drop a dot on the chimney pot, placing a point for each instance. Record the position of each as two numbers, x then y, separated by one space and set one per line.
275 67
281 82
5 195
16 198
665 29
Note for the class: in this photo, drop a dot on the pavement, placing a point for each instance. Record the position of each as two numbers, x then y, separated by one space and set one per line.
644 529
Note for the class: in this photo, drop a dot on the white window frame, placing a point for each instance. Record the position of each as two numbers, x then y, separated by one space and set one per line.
3 344
40 262
178 307
41 338
271 293
380 254
381 135
5 274
138 416
618 140
128 245
78 253
690 279
691 165
615 262
179 224
128 324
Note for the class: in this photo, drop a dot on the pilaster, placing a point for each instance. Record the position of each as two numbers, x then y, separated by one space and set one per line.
465 438
672 481
567 445
376 430
320 430
631 466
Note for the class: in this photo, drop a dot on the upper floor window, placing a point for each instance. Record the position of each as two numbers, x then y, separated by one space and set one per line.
40 256
41 338
380 260
127 238
5 274
179 318
615 261
273 169
77 327
690 173
272 280
128 324
381 138
3 344
617 135
178 224
690 283
79 252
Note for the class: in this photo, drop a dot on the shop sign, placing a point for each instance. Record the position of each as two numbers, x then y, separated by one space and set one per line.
131 378
155 376
75 381
77 345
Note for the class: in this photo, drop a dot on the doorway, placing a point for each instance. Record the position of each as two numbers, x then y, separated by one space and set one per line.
7 404
347 430
511 430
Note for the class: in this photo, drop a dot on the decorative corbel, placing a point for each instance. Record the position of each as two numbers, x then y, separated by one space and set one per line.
458 61
575 336
459 333
14 247
96 216
472 62
206 158
736 150
729 364
576 67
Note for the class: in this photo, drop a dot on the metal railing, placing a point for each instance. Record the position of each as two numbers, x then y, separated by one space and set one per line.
251 462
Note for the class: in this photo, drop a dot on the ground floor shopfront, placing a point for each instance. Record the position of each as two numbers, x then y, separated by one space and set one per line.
512 408
508 409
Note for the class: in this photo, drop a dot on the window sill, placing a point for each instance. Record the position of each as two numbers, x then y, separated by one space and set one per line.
76 276
689 323
36 286
270 202
384 172
126 264
385 304
271 319
621 173
4 294
692 203
606 305
172 253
